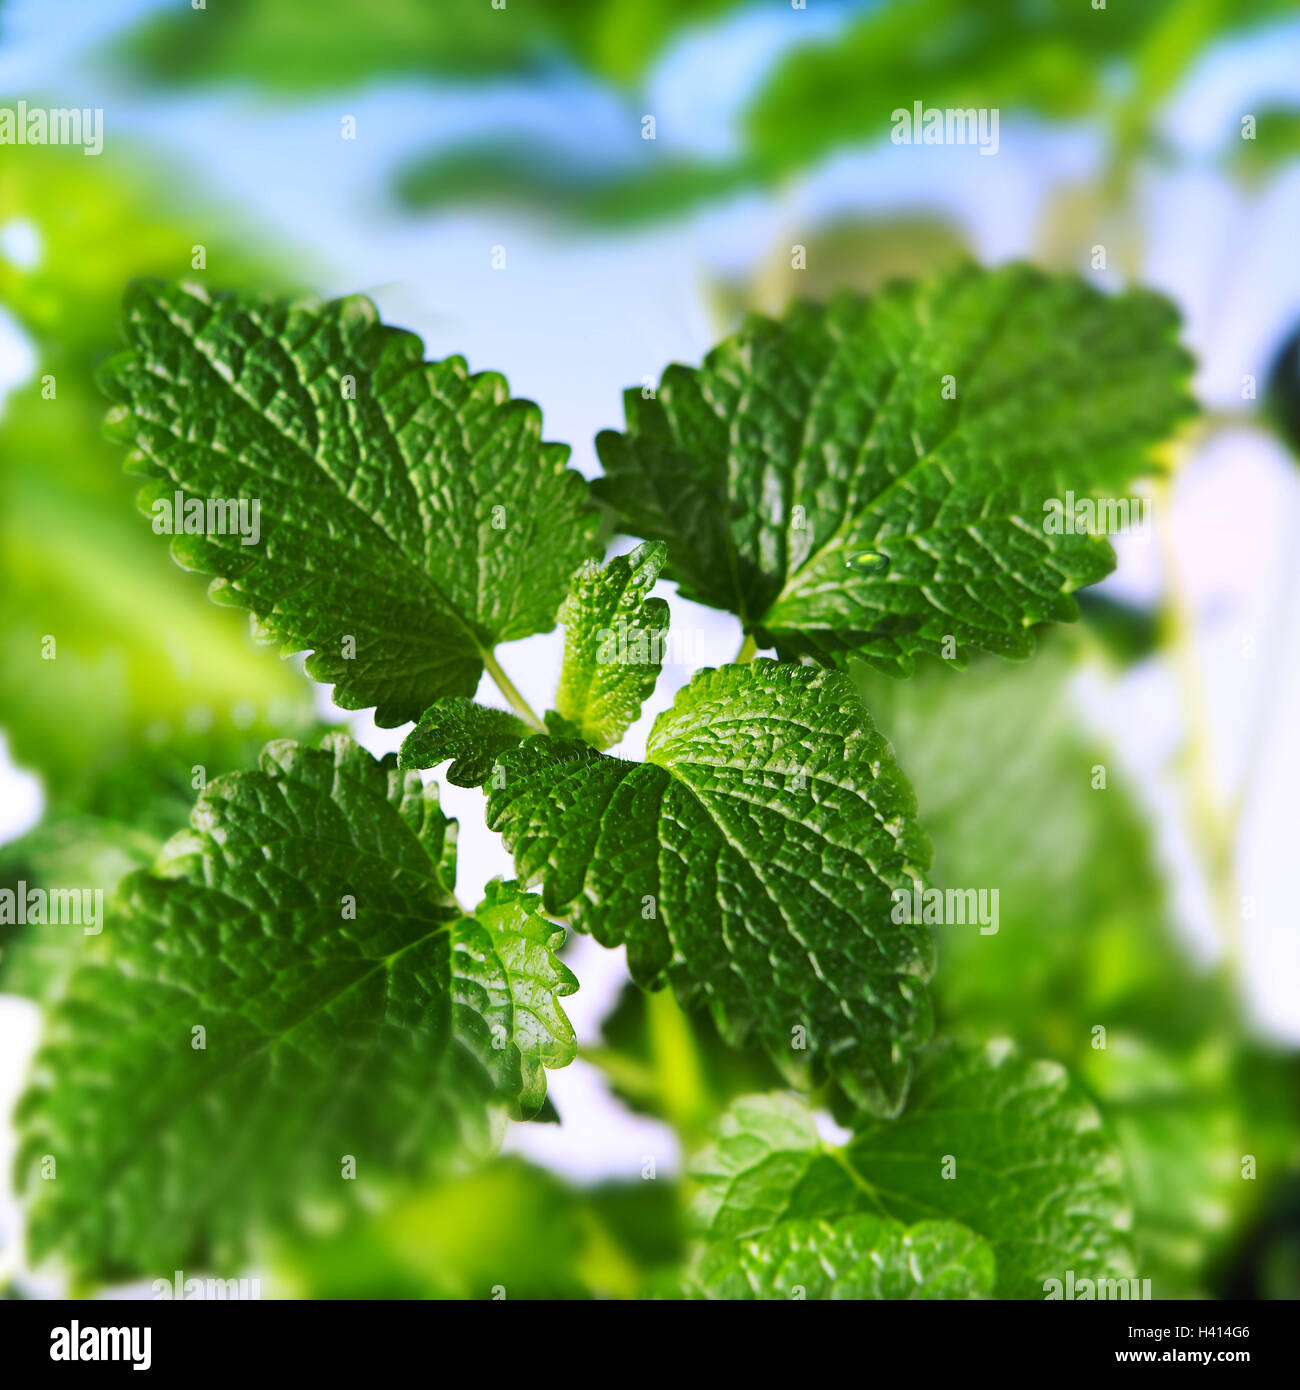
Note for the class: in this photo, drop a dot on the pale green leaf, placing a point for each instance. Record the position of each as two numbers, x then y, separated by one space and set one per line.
614 635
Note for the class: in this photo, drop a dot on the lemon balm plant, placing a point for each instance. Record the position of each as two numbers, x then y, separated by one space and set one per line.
295 986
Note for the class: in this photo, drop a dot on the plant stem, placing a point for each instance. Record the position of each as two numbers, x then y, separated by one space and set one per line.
507 687
748 649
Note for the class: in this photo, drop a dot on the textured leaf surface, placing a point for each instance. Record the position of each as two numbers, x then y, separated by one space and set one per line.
1084 940
472 735
855 1257
614 636
389 1036
803 444
750 860
1033 1171
414 509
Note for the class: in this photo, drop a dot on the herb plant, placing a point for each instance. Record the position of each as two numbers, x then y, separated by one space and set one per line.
292 1016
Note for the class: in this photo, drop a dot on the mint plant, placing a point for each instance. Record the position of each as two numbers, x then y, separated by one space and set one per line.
293 1014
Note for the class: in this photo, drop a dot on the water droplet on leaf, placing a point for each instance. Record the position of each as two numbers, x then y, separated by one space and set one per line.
868 562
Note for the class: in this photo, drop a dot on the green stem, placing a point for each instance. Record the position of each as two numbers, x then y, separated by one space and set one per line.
748 649
507 687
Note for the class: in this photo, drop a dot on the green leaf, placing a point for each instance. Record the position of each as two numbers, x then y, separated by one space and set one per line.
473 735
124 815
812 478
282 46
544 179
1084 940
75 562
1058 60
614 636
413 509
1004 1145
855 1257
307 924
504 1225
750 862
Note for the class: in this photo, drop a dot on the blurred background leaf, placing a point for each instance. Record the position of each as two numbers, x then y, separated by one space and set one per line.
508 1230
825 94
120 818
294 46
1004 775
139 648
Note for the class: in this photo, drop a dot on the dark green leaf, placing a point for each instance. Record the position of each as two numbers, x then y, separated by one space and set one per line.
349 1007
410 515
750 861
473 735
813 478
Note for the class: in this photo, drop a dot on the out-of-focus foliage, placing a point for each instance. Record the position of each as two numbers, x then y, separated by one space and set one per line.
408 504
858 253
1274 144
1083 942
119 822
138 650
855 1257
1282 394
989 1110
1055 59
536 176
307 45
664 1062
508 1230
